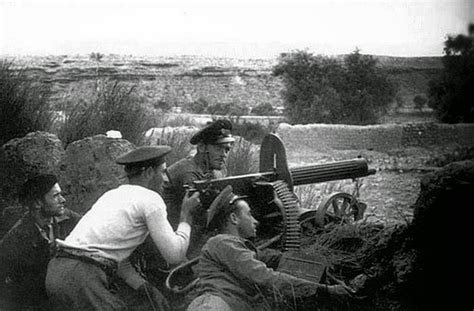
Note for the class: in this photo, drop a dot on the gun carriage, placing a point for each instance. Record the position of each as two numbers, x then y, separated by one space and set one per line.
275 205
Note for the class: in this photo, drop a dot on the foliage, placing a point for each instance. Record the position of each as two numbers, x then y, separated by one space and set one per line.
114 106
199 106
24 104
451 95
243 158
253 132
230 109
264 109
420 102
162 105
96 56
179 141
320 89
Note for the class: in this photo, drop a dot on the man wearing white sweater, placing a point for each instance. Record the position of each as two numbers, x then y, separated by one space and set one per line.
97 250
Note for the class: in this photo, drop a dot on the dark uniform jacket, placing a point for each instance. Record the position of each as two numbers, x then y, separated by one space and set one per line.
24 257
185 172
231 268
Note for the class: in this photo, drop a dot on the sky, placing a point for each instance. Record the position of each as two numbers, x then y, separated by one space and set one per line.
230 28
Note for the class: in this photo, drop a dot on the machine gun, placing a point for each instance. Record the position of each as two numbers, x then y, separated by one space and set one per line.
275 206
271 190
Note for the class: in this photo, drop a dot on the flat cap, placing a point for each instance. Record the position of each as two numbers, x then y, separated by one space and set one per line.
217 132
144 156
221 205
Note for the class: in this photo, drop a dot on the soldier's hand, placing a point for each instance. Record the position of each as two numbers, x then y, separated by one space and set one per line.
190 204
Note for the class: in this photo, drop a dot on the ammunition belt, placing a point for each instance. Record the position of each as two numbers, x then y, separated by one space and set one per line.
292 232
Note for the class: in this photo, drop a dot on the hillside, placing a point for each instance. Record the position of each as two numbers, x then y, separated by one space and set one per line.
183 80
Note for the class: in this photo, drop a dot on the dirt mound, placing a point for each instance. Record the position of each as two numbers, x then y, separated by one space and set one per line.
410 266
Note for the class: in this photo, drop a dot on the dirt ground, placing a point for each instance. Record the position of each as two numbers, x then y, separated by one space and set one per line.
391 192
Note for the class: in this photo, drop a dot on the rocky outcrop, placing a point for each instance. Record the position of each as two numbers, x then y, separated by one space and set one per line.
88 169
22 158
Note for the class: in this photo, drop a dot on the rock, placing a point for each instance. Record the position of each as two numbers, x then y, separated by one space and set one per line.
22 158
88 170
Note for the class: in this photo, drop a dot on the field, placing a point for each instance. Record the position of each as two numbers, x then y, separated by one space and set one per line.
183 80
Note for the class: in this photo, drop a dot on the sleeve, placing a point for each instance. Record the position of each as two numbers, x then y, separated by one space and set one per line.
243 264
171 244
128 273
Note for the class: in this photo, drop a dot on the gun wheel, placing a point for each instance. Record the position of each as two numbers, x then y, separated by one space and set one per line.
339 208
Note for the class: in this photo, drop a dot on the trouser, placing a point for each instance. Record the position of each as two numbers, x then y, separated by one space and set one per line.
208 302
72 284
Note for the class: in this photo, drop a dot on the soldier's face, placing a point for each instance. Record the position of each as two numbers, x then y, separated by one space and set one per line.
159 178
218 154
247 224
53 203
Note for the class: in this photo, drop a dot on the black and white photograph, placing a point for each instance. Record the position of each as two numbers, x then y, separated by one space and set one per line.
236 155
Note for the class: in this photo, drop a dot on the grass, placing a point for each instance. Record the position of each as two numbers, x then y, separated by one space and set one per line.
24 104
111 106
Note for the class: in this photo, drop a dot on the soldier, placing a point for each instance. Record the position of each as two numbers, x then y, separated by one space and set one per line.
29 245
81 275
213 145
231 273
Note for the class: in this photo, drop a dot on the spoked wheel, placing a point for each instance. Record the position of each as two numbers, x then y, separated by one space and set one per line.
339 208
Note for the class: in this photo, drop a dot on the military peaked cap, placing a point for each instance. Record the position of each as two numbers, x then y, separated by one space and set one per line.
144 156
221 205
217 132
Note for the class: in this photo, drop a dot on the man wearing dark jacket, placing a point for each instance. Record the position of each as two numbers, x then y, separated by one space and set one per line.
27 247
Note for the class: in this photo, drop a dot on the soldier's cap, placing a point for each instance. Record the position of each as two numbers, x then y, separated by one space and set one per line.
222 204
36 187
215 133
144 156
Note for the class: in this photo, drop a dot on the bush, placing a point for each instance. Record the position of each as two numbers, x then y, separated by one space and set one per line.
114 106
231 109
199 106
253 132
264 109
451 95
24 104
322 90
420 102
243 158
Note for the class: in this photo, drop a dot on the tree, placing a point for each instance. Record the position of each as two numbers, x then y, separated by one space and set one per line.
24 104
264 109
451 95
419 101
320 89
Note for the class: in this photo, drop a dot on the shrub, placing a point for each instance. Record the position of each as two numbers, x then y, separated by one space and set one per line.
253 132
179 141
264 109
322 90
243 158
24 104
199 106
451 94
113 106
420 102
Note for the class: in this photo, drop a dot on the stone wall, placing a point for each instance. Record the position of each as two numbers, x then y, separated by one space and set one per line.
374 137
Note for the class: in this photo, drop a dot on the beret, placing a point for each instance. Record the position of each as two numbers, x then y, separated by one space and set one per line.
217 132
36 187
144 156
221 204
